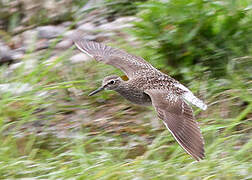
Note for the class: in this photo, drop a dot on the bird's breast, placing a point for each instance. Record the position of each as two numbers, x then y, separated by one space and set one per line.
136 96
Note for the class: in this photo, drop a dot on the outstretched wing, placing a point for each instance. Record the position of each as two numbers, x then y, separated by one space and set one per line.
178 117
128 63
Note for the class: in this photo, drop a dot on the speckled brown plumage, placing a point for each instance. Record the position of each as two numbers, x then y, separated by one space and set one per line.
146 86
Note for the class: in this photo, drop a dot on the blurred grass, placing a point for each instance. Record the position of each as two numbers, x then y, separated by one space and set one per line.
194 36
226 127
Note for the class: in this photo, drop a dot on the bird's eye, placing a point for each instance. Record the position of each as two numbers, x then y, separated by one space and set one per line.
112 82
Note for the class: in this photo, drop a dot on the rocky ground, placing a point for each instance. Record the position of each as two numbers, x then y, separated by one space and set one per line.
41 37
58 39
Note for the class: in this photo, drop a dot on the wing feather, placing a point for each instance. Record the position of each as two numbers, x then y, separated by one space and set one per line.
178 117
128 63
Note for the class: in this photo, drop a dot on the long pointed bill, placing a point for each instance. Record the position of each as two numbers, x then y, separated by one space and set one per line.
96 91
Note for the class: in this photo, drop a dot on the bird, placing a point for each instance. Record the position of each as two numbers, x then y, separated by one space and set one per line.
148 86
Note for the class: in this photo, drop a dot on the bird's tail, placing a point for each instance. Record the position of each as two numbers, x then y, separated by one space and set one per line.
189 96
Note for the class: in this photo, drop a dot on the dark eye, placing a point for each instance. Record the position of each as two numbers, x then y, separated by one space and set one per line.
112 82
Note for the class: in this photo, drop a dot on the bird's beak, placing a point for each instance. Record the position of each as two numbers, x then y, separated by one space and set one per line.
96 91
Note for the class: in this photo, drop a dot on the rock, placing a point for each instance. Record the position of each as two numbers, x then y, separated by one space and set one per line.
49 32
65 44
5 54
15 66
8 56
87 27
80 57
17 41
29 38
42 44
89 37
4 49
104 36
6 60
92 4
96 16
100 37
127 19
19 29
15 88
120 23
28 65
17 54
67 24
83 21
69 34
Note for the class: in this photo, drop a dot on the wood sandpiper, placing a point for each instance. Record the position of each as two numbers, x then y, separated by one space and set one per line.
149 86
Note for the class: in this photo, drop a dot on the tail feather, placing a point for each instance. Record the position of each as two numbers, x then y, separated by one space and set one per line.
189 96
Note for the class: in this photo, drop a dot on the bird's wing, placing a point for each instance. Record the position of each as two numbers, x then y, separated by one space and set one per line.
178 117
128 63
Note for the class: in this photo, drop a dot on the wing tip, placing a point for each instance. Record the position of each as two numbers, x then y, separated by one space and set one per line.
198 156
78 43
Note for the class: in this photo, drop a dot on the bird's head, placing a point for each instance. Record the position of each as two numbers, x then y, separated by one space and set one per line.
109 83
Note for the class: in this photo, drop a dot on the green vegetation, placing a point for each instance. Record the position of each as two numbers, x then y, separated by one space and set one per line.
206 33
55 131
116 8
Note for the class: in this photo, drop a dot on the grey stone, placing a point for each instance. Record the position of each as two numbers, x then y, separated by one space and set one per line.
49 32
17 54
67 23
5 54
69 34
92 4
89 37
80 57
28 64
120 23
29 38
87 27
65 44
42 44
15 88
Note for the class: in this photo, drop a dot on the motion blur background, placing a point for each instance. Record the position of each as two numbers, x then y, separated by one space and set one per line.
51 129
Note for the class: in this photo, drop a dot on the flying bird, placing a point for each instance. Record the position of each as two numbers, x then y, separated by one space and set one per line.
149 86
